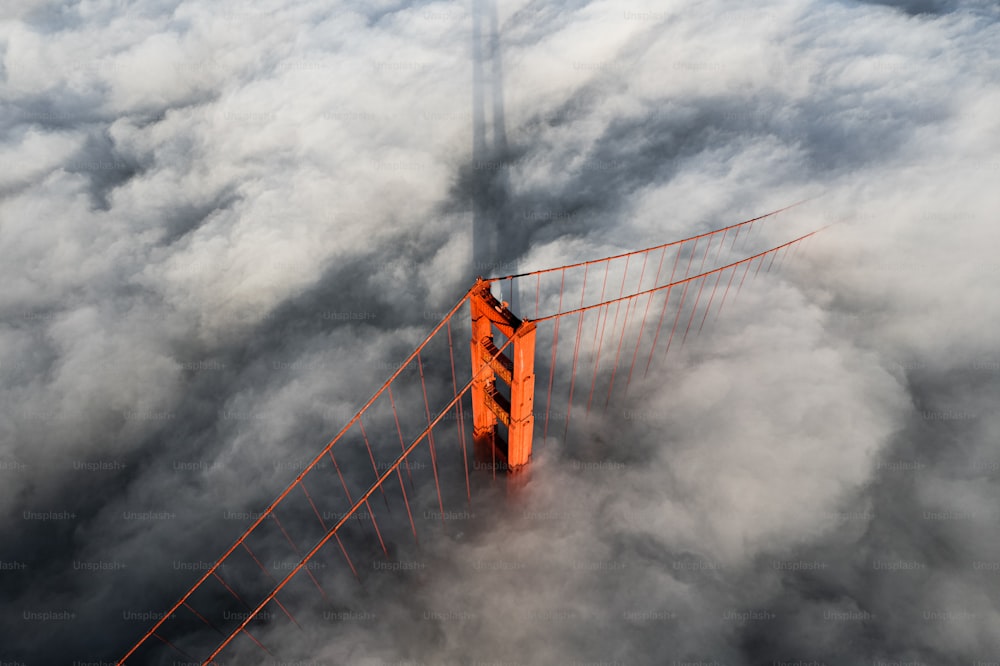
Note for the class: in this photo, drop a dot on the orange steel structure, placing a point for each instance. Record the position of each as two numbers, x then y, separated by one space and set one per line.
488 364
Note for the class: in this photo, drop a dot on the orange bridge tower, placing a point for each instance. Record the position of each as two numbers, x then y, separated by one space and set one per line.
490 407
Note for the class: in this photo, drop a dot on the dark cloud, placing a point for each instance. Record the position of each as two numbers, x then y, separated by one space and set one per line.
918 7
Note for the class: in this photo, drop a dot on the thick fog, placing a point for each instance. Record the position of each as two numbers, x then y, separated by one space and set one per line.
224 224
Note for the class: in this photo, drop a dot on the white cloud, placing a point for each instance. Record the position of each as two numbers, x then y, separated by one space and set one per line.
189 181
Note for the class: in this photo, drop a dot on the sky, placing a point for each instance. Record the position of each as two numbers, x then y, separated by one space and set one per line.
222 225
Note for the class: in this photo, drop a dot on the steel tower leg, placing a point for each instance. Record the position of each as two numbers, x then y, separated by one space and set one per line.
490 407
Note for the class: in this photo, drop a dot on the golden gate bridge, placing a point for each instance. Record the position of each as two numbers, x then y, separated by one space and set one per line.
451 419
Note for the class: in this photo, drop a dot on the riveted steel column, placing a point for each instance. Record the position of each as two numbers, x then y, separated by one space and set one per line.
490 408
522 397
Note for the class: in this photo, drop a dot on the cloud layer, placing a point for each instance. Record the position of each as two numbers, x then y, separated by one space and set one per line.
222 226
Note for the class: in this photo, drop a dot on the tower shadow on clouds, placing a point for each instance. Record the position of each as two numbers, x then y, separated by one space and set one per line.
495 243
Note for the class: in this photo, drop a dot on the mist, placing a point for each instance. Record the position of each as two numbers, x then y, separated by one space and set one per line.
223 226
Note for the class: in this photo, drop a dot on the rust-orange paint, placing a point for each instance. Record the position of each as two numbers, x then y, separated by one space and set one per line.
490 407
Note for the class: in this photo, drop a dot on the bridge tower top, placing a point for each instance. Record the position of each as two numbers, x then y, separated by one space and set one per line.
490 407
